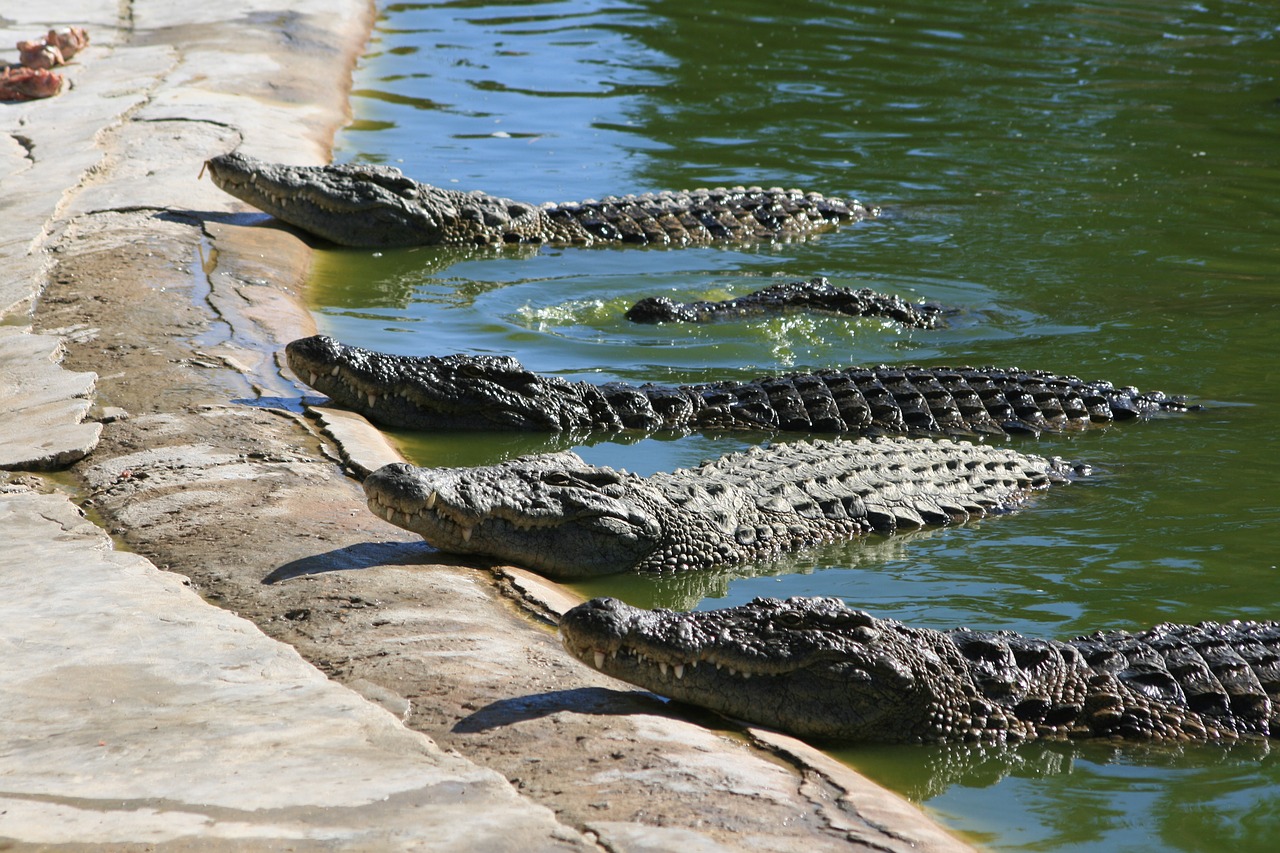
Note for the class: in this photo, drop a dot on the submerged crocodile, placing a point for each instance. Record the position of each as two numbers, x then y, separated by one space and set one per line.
560 516
818 669
377 206
816 294
498 393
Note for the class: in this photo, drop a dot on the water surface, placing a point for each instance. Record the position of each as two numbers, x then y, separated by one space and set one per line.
1096 185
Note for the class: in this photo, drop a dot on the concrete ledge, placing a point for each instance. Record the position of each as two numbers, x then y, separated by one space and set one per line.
364 449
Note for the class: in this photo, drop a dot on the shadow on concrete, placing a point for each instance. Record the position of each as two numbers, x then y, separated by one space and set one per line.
599 701
362 555
242 219
247 219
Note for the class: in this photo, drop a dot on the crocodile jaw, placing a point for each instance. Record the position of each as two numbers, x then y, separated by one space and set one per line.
437 392
560 531
663 652
350 206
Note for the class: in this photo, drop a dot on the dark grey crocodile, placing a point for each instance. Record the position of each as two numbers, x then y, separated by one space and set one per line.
817 295
560 516
819 669
498 393
360 205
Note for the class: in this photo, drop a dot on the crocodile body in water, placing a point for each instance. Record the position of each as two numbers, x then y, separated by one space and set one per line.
560 516
816 295
378 206
498 393
817 668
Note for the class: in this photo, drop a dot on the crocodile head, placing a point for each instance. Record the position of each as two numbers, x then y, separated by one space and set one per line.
811 666
430 392
553 512
351 205
378 206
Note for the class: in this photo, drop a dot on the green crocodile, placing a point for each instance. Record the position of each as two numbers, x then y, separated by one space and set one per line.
378 206
498 393
816 668
556 514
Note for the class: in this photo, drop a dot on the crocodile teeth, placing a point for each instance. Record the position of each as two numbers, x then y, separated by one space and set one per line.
373 399
662 667
431 500
466 534
312 377
599 659
334 372
679 670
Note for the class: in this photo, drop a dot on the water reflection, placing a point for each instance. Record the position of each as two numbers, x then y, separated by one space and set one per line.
1064 796
710 589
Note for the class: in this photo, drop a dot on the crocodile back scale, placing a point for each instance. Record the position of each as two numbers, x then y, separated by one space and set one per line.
816 295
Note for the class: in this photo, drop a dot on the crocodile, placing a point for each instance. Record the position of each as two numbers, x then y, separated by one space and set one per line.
499 393
817 294
379 206
819 669
564 518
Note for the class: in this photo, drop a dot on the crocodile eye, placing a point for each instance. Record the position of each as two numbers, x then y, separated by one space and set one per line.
852 619
587 478
789 620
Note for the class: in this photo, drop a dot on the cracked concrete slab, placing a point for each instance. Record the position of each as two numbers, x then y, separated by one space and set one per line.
136 712
42 406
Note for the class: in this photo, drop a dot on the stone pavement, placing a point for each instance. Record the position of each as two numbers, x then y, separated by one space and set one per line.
138 716
136 713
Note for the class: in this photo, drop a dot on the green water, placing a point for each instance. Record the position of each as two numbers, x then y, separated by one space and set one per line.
1095 185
